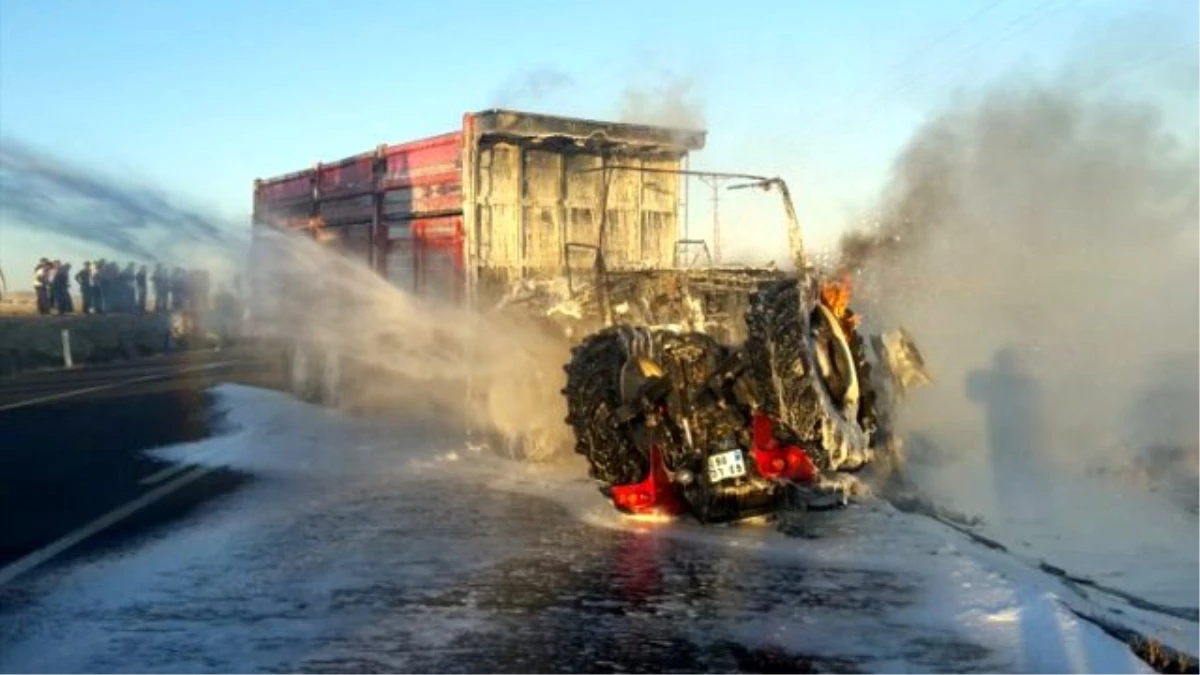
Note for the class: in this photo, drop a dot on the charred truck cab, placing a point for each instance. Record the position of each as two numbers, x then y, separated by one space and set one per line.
690 388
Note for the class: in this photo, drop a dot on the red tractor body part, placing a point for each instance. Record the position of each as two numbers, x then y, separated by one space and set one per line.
653 496
774 460
656 495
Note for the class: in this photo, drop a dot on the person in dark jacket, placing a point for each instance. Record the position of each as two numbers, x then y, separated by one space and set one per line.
161 287
128 292
140 284
178 289
84 280
61 288
99 300
108 288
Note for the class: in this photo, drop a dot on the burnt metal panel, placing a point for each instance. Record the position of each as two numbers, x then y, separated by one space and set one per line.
534 189
541 199
421 200
348 177
659 201
335 211
582 201
500 197
498 206
430 163
532 201
291 187
424 256
512 124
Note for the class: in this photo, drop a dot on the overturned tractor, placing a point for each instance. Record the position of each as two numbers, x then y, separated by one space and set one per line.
716 390
736 413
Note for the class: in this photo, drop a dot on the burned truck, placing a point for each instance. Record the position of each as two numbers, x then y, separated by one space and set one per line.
690 386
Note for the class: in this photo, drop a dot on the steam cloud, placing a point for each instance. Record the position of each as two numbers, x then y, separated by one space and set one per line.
1041 243
412 356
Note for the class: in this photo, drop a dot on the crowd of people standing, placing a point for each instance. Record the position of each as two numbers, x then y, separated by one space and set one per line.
107 288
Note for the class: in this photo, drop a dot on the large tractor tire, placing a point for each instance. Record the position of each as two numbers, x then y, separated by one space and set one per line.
806 372
594 399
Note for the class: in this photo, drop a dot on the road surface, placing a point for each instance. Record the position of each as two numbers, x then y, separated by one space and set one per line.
191 369
362 546
71 442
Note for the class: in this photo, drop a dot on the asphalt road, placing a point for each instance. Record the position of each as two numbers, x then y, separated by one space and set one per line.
187 370
296 539
71 444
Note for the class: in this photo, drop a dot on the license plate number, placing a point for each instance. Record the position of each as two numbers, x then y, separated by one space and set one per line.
726 465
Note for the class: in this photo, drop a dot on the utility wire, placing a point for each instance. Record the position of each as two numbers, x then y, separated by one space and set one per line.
1140 65
1020 26
1133 67
912 56
954 64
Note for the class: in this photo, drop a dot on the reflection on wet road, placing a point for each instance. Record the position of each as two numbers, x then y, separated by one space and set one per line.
426 576
344 555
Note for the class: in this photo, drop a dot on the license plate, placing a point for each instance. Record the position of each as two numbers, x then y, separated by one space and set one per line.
726 465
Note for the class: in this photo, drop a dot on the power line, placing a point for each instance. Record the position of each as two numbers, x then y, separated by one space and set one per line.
984 10
1134 67
1141 65
1021 25
955 63
915 54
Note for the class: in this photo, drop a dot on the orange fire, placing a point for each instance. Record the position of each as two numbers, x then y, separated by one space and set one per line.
835 294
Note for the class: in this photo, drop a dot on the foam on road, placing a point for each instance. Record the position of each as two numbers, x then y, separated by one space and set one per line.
365 546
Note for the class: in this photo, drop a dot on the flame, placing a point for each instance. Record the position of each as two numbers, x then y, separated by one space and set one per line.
835 294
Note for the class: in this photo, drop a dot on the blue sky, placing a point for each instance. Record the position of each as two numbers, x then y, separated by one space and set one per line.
199 98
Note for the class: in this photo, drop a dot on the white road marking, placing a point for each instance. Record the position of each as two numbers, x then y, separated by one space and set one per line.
193 460
42 555
113 385
160 476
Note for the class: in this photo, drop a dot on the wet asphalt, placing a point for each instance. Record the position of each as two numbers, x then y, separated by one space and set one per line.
367 567
423 576
72 442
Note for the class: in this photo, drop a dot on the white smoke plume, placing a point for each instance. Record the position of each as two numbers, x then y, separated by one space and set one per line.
671 101
1040 240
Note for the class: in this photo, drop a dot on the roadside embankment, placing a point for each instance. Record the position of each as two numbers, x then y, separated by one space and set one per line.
36 342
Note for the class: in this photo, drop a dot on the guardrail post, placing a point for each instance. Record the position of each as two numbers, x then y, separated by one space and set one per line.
66 349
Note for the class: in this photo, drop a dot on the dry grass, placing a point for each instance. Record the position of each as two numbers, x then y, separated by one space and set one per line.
24 303
1161 658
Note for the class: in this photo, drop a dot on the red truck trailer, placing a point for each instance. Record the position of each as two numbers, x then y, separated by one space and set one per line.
467 212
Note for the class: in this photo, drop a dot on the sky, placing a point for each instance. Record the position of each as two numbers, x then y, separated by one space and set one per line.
200 98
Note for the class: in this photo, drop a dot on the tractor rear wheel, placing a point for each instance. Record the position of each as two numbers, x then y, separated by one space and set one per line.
593 394
805 372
